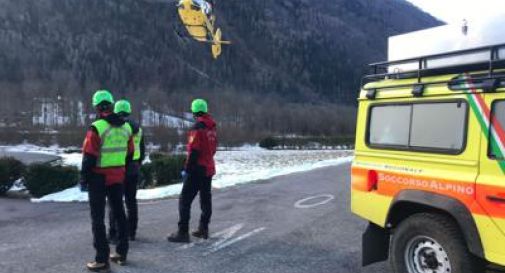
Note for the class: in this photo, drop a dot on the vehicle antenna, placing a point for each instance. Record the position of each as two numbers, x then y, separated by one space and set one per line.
464 28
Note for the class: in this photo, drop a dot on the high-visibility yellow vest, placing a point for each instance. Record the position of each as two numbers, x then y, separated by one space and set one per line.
114 145
137 138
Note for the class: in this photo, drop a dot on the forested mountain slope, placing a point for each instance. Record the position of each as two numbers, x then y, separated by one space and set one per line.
289 51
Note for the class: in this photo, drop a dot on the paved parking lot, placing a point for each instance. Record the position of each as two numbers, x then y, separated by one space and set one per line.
296 223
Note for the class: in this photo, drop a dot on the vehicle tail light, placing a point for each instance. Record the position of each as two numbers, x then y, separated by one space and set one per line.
364 180
372 180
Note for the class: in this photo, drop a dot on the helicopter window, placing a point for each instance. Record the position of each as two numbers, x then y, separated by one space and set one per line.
201 5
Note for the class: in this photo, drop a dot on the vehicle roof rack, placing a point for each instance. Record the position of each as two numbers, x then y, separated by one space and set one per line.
489 81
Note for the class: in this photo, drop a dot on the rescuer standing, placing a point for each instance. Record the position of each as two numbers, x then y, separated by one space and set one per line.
123 109
107 148
197 174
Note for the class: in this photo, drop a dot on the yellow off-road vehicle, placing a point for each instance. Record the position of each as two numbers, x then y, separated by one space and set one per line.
429 164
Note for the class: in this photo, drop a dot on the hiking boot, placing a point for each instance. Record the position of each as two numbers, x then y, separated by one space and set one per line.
201 233
117 259
179 237
98 267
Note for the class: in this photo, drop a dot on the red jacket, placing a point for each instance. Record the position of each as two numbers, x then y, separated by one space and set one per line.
202 145
91 150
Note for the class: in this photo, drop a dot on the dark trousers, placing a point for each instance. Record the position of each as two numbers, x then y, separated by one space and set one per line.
130 193
98 194
192 186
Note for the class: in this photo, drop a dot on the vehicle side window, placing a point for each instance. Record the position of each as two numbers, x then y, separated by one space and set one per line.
497 131
432 127
389 125
438 125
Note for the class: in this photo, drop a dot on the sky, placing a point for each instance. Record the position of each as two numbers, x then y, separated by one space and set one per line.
454 11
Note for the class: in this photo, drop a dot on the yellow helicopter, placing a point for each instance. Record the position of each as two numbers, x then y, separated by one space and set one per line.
198 18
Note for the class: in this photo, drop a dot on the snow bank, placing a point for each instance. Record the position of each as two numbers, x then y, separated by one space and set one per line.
69 195
52 150
245 147
160 192
70 159
75 195
18 186
232 175
223 181
241 165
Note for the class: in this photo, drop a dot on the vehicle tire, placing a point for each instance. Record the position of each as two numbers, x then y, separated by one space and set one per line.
430 243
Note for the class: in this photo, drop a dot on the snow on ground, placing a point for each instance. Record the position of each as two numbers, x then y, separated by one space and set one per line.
242 165
234 168
18 186
70 159
238 167
34 149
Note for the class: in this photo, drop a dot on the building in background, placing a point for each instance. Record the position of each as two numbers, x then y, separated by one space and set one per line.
152 118
57 112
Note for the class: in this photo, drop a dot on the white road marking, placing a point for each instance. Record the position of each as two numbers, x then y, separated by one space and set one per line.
306 204
226 234
216 247
225 238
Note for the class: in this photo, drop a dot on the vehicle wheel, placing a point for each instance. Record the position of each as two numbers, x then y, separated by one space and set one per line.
430 243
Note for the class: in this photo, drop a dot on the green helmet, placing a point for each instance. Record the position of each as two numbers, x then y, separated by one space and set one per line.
199 105
102 96
122 106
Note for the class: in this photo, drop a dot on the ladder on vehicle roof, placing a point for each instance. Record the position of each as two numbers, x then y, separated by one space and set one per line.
488 81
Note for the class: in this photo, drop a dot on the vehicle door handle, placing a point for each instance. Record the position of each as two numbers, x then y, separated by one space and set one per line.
496 199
